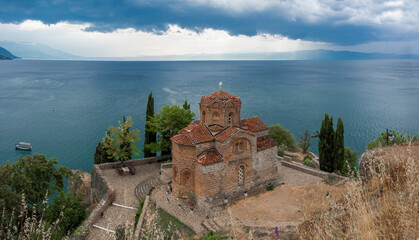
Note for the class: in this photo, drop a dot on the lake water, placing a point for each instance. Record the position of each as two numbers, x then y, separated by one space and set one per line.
370 96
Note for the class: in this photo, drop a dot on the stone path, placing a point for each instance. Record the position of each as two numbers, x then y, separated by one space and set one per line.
202 219
113 216
143 188
125 187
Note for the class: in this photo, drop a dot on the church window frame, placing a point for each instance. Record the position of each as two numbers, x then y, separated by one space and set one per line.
203 116
230 118
216 117
239 146
241 175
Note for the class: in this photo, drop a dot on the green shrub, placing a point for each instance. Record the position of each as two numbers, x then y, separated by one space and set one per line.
138 214
270 187
308 161
399 138
120 232
281 149
282 136
214 236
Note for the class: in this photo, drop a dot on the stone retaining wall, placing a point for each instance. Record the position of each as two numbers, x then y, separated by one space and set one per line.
104 185
312 171
100 186
137 234
99 183
135 162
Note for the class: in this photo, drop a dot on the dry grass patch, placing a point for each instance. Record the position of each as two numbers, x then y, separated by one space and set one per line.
383 206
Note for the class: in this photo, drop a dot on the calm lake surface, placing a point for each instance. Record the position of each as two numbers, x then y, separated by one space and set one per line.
370 96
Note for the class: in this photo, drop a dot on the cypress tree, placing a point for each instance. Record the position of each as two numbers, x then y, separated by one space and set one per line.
322 142
98 153
126 146
150 137
339 147
187 106
326 144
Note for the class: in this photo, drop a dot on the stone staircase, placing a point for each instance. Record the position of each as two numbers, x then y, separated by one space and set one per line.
212 225
143 188
182 212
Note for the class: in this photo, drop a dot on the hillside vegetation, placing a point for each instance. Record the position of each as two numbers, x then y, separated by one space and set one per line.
383 205
6 55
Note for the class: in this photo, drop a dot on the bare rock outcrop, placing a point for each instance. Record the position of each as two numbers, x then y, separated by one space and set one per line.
80 183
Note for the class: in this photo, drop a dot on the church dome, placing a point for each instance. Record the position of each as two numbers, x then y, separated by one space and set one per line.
220 96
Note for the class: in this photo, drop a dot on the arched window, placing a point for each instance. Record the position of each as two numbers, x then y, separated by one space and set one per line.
216 117
230 118
240 175
186 178
239 147
203 116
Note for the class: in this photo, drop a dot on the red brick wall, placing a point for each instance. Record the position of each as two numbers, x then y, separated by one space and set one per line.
183 159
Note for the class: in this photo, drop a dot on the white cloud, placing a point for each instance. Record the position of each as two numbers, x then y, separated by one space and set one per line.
401 14
128 42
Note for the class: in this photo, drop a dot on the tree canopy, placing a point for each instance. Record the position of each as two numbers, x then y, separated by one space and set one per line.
35 176
167 123
333 155
120 144
399 138
283 137
25 187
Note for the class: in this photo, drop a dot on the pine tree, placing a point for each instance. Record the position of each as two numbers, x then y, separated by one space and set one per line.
106 157
339 147
150 137
118 138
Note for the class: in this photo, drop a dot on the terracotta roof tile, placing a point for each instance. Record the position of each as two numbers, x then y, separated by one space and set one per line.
200 134
219 95
253 124
226 134
191 126
215 127
209 156
182 139
265 143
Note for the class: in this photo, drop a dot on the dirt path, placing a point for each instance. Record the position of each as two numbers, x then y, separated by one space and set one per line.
283 205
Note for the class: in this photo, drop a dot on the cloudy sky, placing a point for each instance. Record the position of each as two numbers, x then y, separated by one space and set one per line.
130 28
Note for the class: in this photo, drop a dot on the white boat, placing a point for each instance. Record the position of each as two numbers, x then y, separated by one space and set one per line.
24 146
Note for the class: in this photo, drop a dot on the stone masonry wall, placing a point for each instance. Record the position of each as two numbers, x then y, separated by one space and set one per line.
100 184
183 160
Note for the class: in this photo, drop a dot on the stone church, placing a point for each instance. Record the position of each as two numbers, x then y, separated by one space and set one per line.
222 157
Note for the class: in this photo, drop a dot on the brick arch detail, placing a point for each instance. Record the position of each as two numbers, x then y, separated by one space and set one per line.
186 177
243 141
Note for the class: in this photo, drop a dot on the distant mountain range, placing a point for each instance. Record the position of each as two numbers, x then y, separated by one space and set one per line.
28 50
6 55
319 54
